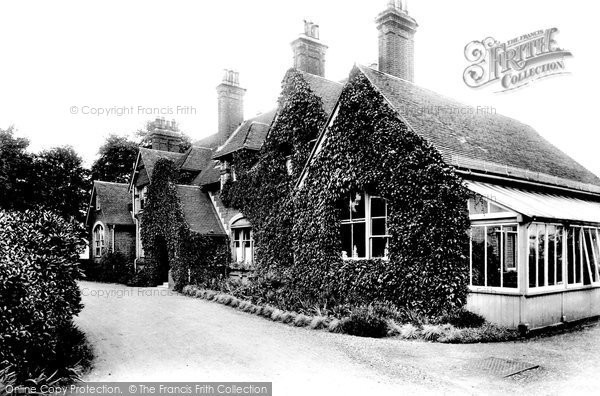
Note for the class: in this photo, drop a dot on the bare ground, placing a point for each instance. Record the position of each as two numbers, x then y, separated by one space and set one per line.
149 334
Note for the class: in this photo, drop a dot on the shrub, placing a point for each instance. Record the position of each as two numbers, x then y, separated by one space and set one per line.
318 322
486 333
288 317
365 322
302 321
276 315
335 326
39 296
267 311
113 267
434 332
464 319
409 331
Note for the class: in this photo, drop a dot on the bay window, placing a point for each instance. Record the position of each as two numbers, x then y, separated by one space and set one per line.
364 228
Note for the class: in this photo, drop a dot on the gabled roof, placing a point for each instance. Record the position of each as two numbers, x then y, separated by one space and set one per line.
329 91
114 199
194 159
198 211
474 139
149 158
250 134
209 175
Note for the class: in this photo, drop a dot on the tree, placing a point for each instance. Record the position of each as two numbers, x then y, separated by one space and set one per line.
117 156
15 171
61 183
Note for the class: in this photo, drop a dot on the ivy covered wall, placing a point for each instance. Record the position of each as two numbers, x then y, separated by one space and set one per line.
368 148
264 185
192 258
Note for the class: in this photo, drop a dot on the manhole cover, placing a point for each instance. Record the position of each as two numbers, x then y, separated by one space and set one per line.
502 367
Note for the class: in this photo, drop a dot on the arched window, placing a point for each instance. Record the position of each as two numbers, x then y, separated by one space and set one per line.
98 240
243 245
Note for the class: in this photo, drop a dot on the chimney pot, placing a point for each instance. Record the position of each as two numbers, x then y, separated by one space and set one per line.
309 53
396 41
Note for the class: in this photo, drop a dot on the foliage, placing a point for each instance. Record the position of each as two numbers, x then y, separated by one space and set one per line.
263 190
38 289
53 179
16 170
167 239
464 319
116 158
365 322
112 267
62 182
370 149
297 234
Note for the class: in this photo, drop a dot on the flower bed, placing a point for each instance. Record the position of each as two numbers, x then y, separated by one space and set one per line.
367 321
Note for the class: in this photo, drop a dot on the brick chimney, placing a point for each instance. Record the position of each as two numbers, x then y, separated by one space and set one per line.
231 104
309 52
396 40
164 135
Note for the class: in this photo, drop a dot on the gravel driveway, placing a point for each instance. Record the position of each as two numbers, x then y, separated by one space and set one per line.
149 334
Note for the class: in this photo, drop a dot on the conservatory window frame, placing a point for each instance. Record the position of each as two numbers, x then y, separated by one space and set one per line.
517 249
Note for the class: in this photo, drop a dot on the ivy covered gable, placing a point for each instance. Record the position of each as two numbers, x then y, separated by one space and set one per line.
367 154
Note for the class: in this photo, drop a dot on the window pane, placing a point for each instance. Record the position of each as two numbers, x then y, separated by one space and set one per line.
344 206
477 205
377 207
247 252
246 234
493 256
588 255
378 227
578 261
594 253
478 255
358 240
346 240
496 209
379 247
559 254
532 254
541 253
551 232
237 234
357 206
509 272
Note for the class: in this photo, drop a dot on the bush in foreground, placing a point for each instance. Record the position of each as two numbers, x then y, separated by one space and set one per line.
365 322
39 296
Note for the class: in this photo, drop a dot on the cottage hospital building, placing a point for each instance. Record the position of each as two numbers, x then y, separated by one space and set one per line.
534 250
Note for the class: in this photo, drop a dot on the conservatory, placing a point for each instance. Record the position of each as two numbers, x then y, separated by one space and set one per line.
534 255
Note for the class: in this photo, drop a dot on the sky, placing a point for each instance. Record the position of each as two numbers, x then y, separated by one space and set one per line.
64 62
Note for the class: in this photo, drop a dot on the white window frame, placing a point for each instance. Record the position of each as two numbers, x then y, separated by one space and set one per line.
583 266
484 287
98 239
368 234
242 241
